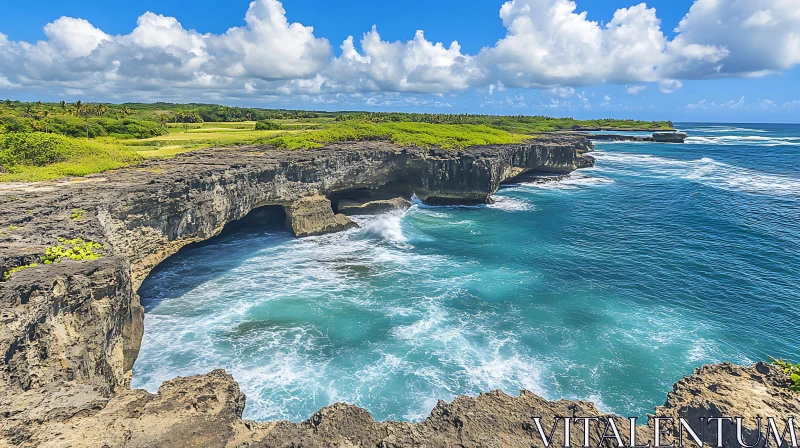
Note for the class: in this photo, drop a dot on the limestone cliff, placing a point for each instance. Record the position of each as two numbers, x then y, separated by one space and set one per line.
72 330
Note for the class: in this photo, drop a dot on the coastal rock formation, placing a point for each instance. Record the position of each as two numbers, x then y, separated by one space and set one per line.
72 330
206 411
670 137
312 215
371 207
727 390
82 321
74 321
658 137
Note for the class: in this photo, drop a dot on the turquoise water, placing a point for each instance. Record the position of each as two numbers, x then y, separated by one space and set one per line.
609 287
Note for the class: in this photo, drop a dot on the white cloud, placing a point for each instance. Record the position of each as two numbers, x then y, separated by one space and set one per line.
562 92
753 37
74 37
160 56
549 44
414 66
741 104
269 47
669 85
635 90
499 86
606 98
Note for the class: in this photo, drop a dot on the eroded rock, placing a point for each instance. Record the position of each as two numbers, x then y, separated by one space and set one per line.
313 215
372 207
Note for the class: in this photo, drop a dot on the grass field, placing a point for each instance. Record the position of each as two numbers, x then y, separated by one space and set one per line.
207 135
183 138
42 141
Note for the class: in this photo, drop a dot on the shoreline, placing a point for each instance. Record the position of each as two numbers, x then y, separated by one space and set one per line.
73 328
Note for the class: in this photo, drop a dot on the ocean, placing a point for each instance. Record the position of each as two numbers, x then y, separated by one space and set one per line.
608 287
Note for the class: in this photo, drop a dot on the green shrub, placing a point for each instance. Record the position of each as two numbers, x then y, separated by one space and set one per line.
7 274
75 249
447 136
792 369
30 157
34 149
266 125
77 215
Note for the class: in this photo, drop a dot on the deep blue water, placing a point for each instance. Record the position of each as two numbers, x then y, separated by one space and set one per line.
609 287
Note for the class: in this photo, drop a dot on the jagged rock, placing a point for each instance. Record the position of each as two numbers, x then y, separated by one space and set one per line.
200 411
313 215
371 207
206 410
72 321
619 138
727 390
670 137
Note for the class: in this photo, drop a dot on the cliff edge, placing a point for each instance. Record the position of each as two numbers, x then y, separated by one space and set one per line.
71 330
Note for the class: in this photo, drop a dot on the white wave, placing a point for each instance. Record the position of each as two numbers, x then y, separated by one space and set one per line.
508 204
386 226
709 172
720 129
729 140
572 182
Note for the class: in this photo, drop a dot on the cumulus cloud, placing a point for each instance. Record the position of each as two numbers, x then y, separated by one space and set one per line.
563 92
669 85
414 66
737 38
160 55
635 90
548 44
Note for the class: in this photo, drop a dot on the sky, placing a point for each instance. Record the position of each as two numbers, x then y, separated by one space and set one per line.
684 60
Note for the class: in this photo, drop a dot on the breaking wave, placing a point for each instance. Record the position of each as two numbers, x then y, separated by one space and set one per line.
705 171
729 140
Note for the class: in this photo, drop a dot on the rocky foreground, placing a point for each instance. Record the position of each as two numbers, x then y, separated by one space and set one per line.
71 331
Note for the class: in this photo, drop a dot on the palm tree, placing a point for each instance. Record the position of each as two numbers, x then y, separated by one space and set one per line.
163 119
63 105
83 110
45 114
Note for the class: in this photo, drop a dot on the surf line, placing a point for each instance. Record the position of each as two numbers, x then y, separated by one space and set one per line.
710 432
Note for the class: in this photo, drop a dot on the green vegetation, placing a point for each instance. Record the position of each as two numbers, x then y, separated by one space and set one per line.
74 249
77 215
447 136
7 274
44 141
267 125
792 369
522 124
29 157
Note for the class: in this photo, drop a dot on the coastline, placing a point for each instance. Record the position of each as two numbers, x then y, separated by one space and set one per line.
142 219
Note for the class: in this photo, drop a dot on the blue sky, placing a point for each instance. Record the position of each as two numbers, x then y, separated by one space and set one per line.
729 62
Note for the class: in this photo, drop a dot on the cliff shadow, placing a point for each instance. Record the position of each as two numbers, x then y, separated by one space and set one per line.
388 191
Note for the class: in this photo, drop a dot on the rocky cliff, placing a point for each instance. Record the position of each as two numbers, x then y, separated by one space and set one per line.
72 330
